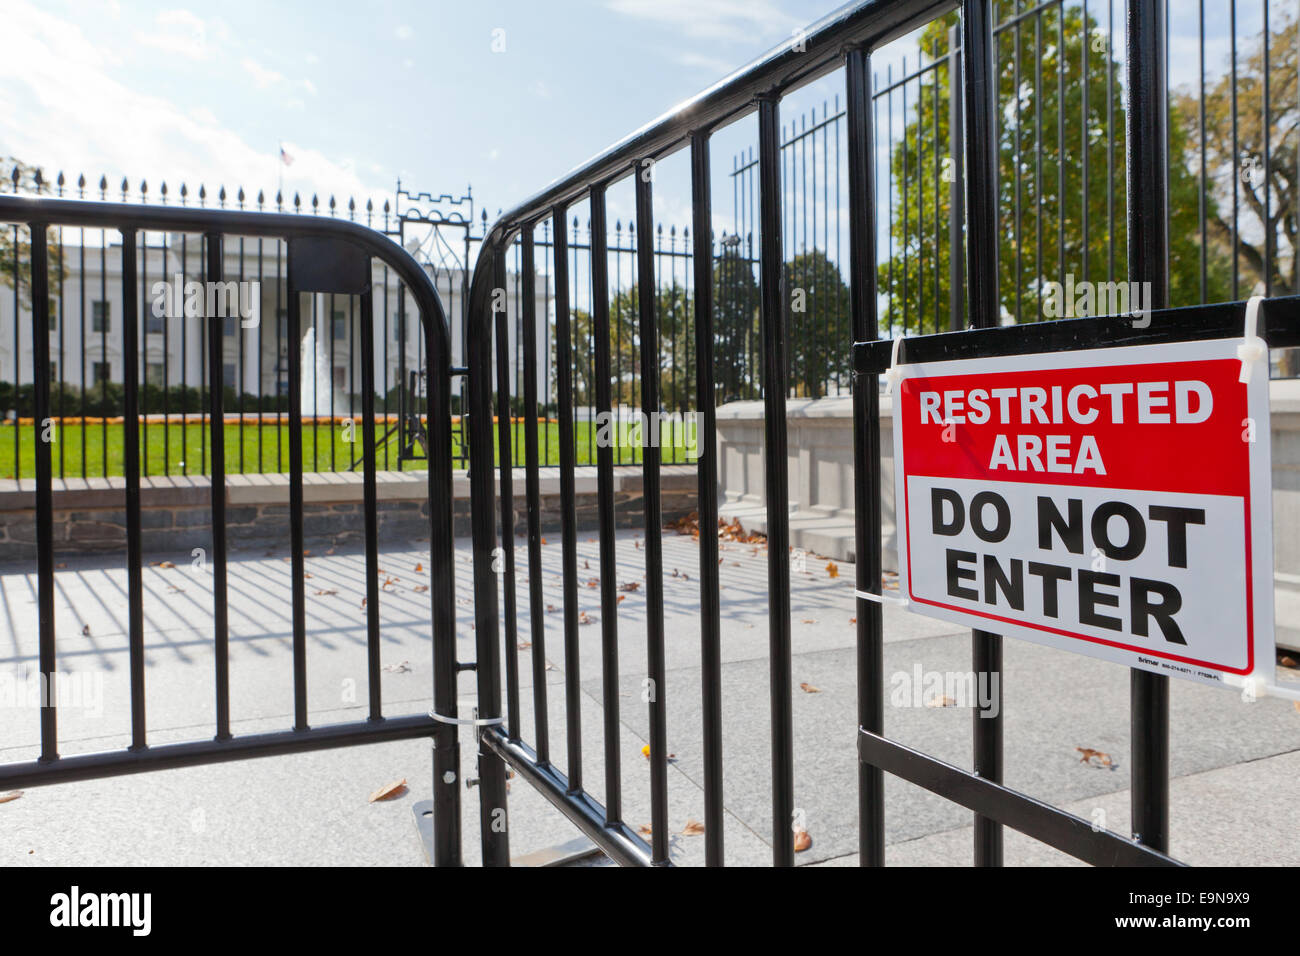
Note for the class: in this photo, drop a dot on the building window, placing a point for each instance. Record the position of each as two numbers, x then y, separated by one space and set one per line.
397 328
154 374
102 372
54 321
101 317
228 374
340 376
284 323
340 331
229 326
153 325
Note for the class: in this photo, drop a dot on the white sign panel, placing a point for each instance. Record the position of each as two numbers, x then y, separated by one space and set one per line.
1113 502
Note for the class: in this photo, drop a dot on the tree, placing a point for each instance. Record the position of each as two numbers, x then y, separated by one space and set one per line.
736 342
817 305
675 349
16 249
1043 197
1265 245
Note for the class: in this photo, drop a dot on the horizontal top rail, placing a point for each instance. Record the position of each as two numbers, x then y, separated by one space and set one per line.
102 215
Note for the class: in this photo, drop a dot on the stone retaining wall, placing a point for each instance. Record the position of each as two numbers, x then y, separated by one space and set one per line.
175 516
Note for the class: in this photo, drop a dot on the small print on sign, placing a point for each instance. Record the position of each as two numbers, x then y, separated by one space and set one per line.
1113 502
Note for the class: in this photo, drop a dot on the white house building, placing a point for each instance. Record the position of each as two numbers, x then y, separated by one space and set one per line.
86 319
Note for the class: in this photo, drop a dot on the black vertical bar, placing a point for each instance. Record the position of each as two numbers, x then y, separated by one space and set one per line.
707 469
568 512
442 597
982 281
295 505
1147 120
40 289
654 566
371 493
143 339
956 214
131 469
532 491
1236 154
1270 236
776 476
605 507
507 495
216 420
866 447
493 826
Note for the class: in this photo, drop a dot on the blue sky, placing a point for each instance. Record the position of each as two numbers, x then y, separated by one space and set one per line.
363 93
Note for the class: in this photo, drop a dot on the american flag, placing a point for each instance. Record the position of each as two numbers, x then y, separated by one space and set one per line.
285 157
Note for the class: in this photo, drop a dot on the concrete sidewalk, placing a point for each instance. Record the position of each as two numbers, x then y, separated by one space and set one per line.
1236 766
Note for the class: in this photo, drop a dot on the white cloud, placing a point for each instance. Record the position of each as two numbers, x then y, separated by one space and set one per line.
716 66
185 34
735 20
62 108
403 32
262 76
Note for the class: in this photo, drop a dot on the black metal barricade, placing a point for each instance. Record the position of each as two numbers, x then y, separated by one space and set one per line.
846 39
326 256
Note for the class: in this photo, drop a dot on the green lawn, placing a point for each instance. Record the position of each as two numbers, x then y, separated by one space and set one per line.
265 448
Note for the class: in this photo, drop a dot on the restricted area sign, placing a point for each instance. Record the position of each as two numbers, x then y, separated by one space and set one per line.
1113 502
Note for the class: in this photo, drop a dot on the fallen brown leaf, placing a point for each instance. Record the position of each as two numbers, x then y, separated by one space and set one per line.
524 645
941 701
389 791
802 840
1089 755
421 588
10 796
419 569
644 829
832 569
808 688
630 586
693 828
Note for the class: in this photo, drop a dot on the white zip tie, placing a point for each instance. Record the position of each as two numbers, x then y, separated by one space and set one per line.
894 374
1252 349
469 721
882 598
1259 689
